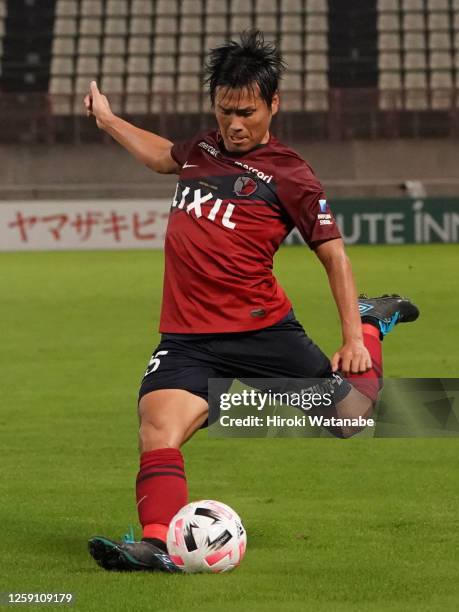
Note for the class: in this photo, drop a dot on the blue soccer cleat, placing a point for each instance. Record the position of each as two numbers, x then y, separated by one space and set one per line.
386 311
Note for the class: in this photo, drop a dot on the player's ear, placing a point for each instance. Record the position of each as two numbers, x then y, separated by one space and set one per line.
275 104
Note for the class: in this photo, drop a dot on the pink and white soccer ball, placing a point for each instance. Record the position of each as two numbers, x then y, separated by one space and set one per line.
206 536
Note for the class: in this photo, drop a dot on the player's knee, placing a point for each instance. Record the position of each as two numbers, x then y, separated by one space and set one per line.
344 432
168 418
158 431
152 437
348 431
169 424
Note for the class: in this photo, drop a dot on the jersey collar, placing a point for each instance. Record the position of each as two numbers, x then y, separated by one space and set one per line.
226 153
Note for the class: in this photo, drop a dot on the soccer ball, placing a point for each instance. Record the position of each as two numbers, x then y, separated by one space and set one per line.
206 536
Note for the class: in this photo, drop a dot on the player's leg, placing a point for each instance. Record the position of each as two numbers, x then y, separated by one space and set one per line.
168 418
299 362
379 317
285 351
172 406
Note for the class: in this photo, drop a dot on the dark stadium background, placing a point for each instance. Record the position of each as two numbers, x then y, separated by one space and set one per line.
366 82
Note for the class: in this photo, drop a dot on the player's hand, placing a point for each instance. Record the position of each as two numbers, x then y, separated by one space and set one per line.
352 358
97 105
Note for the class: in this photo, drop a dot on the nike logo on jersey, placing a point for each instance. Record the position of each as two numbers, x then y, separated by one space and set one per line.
187 165
194 205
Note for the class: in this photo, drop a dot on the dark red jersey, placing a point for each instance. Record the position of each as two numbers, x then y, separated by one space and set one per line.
228 217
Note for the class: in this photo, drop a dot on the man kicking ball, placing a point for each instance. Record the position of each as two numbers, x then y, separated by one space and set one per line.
224 315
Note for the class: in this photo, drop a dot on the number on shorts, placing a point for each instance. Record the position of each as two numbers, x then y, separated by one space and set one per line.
155 362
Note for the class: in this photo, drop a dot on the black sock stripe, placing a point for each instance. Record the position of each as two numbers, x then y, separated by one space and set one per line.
178 467
153 474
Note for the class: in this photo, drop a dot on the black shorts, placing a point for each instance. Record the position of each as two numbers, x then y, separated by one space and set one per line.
283 350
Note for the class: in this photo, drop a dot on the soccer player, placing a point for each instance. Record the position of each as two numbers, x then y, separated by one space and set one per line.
224 315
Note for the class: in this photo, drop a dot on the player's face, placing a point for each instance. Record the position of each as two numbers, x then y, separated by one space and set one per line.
243 117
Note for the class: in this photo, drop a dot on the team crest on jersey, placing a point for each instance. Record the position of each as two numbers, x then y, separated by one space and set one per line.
245 186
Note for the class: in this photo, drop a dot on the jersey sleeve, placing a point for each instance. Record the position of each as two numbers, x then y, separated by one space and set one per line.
180 150
304 201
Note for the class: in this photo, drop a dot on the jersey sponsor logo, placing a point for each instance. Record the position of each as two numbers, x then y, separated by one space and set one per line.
327 216
209 148
323 205
192 202
215 153
261 175
245 186
325 222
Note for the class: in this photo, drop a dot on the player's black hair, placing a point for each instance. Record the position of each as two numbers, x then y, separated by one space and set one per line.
250 62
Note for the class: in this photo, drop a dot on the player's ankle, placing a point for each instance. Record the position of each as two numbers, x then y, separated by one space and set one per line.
371 328
157 542
154 531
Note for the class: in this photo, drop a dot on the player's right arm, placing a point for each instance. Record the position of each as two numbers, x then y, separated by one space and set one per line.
148 148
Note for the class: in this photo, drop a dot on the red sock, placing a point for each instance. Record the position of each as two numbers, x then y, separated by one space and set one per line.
369 383
161 490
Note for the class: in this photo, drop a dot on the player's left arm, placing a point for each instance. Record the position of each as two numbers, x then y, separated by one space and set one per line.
352 356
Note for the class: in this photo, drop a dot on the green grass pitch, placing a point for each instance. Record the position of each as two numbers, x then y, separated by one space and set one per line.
332 525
